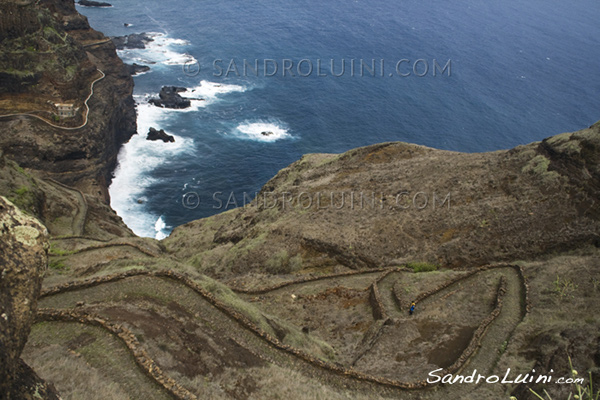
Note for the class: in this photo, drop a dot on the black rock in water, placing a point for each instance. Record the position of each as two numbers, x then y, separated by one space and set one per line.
154 134
91 3
136 68
169 98
133 41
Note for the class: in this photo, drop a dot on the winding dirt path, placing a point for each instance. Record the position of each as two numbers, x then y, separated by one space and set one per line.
85 103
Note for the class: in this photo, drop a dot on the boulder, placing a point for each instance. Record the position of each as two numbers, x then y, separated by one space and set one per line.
23 261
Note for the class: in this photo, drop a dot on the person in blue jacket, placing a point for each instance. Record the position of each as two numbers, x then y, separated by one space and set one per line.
412 308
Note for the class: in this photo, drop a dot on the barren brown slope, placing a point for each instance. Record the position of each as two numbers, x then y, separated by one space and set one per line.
442 207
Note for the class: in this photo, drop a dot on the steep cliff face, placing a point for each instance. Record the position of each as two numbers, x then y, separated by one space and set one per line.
393 203
51 55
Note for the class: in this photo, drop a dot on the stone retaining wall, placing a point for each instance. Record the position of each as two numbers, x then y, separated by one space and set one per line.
267 289
245 322
376 304
140 355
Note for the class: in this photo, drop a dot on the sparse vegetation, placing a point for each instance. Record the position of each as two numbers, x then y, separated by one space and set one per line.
57 265
278 263
422 266
503 347
24 198
578 391
539 166
55 251
564 288
595 283
294 336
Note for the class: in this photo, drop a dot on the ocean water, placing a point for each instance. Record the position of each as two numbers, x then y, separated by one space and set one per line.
515 72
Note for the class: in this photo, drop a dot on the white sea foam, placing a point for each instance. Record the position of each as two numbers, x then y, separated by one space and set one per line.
137 159
262 131
162 50
210 91
159 228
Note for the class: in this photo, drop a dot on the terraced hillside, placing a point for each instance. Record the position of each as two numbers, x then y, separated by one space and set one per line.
199 315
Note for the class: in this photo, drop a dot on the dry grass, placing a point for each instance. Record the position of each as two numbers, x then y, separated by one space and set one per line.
74 377
87 363
268 383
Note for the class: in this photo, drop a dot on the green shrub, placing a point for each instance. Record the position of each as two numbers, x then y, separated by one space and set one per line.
23 198
564 288
55 251
422 266
279 263
57 265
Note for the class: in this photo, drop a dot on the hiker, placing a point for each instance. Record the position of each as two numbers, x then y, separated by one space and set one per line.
412 308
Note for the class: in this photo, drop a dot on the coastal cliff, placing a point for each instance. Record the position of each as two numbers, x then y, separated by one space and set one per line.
50 55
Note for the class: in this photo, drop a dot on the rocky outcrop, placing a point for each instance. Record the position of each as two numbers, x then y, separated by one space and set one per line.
132 41
23 261
153 134
392 203
169 97
135 69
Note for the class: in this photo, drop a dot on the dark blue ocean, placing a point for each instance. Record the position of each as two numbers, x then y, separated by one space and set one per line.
515 72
